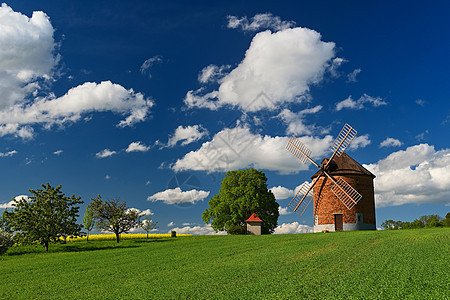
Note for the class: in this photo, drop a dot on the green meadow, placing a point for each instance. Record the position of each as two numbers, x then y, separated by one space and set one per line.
400 264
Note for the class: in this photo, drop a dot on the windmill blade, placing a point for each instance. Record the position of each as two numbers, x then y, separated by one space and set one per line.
344 192
303 197
343 139
299 150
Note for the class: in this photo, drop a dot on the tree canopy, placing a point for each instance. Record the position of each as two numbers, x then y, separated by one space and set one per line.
113 216
427 221
45 217
241 194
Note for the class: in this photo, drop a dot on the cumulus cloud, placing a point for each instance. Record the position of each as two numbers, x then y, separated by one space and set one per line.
28 62
171 224
290 228
27 57
391 142
146 66
295 121
187 135
212 73
16 198
142 213
419 174
238 148
258 22
360 142
281 66
351 77
360 103
281 192
137 147
177 196
105 153
284 211
335 64
58 152
8 154
197 230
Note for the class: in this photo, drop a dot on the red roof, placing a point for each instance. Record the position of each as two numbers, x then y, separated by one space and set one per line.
253 218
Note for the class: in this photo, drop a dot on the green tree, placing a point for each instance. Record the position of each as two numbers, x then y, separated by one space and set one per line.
392 225
431 221
113 216
88 222
46 217
446 221
6 241
148 224
241 194
5 223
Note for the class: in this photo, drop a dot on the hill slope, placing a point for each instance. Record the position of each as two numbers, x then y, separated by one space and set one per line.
377 264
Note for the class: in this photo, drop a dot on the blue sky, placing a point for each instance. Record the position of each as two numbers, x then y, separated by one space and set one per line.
153 102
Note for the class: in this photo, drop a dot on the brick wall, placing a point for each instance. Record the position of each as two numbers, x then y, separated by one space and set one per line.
326 204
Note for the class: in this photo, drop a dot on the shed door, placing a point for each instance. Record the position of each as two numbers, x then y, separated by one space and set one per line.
338 222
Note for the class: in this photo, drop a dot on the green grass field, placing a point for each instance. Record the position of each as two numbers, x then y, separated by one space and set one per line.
402 264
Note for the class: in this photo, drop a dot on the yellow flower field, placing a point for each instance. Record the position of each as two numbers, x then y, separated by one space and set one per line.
128 236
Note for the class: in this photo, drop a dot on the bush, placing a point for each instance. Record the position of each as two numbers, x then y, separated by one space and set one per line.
236 229
6 241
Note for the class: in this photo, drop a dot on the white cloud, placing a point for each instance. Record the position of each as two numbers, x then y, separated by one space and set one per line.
105 153
85 98
335 64
419 174
171 224
8 154
107 177
176 196
284 211
421 102
187 135
421 136
58 152
391 142
360 103
146 66
197 230
24 132
290 228
258 22
281 192
281 66
27 57
142 213
16 198
360 142
295 121
238 148
137 147
351 77
212 73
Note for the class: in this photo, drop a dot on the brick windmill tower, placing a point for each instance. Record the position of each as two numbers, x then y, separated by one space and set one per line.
342 189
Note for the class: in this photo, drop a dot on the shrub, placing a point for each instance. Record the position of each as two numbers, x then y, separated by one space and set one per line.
6 241
236 229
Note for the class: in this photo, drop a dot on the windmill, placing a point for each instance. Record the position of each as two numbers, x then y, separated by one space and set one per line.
337 188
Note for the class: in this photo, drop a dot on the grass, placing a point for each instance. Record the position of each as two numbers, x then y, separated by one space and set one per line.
403 264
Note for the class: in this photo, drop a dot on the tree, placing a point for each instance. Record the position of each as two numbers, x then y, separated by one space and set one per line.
147 224
113 216
6 241
88 222
241 194
392 225
5 223
47 217
447 219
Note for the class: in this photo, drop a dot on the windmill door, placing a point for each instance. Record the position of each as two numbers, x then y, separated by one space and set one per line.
338 222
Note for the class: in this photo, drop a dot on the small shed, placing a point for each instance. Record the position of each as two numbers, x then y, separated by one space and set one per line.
254 225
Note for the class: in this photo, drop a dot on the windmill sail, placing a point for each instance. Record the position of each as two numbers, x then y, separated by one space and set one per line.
302 199
299 150
343 140
344 192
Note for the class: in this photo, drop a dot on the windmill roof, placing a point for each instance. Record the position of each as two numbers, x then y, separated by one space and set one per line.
344 165
253 218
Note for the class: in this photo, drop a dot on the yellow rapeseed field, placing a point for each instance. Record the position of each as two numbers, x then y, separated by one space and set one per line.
111 236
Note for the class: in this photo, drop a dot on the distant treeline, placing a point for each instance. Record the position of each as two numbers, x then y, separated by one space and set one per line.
428 221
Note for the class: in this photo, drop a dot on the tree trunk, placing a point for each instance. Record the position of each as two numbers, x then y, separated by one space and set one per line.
46 246
117 238
147 234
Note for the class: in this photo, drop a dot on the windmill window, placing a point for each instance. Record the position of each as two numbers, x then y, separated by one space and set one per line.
358 218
